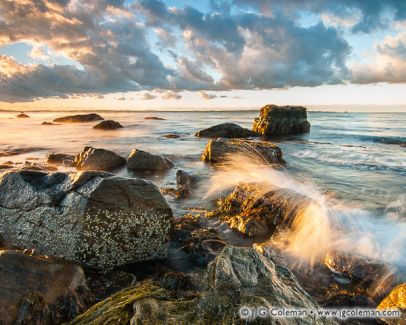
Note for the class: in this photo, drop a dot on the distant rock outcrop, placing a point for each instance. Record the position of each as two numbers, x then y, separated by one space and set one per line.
219 150
22 115
93 218
98 159
79 118
108 125
154 118
226 130
48 123
142 160
40 290
276 120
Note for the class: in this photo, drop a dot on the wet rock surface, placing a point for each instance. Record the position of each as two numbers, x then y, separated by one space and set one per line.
395 300
108 125
98 159
61 159
145 161
276 120
40 290
79 118
257 212
226 130
219 150
93 218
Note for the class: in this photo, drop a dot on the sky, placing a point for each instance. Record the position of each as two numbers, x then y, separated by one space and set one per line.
206 54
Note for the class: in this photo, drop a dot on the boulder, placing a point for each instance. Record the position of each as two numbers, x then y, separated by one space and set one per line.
237 277
22 115
396 300
226 130
40 290
256 212
61 159
98 159
276 120
142 160
94 218
108 125
219 150
79 118
184 184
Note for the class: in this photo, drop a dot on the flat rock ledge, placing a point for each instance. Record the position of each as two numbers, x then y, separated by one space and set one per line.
276 120
226 130
93 218
79 118
220 150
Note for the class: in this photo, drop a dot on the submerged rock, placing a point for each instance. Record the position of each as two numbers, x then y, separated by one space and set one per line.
142 160
226 130
281 120
93 218
40 290
154 118
219 150
255 211
108 125
79 118
171 136
98 159
184 184
237 277
22 115
48 123
61 159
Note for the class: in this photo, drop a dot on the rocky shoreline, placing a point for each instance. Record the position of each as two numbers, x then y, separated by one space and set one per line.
90 247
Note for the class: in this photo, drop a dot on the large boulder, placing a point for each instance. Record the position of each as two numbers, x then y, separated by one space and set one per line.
79 118
108 125
226 130
142 161
219 150
281 120
237 277
40 290
98 159
255 211
93 218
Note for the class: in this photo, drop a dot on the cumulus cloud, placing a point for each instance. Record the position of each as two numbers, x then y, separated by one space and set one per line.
235 44
147 96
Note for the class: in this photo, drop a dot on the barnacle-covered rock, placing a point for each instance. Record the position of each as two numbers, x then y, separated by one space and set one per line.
40 290
94 218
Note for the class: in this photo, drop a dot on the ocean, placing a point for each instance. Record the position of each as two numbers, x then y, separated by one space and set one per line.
358 159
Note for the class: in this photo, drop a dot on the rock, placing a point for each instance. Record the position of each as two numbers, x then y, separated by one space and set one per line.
256 212
219 150
395 300
142 160
201 244
171 136
154 118
28 165
226 130
48 123
237 277
61 159
80 118
22 115
40 290
281 120
184 179
108 125
98 159
18 151
93 218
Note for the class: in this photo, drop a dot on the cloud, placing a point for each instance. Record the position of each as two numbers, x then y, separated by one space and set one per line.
205 95
170 95
147 96
115 46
